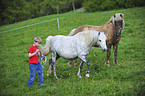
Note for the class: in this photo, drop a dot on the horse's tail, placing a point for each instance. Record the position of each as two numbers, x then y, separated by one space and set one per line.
72 32
46 48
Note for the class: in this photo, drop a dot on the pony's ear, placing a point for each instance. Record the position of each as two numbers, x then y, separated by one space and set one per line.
98 33
121 15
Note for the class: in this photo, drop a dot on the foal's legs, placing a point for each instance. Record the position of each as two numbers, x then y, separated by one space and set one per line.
108 53
115 47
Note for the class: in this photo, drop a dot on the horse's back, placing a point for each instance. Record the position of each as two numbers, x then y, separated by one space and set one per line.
87 27
65 46
60 40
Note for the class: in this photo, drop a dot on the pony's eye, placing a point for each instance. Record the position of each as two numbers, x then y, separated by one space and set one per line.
99 40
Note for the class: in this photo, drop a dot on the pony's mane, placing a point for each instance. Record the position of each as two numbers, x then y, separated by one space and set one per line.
89 36
87 33
117 17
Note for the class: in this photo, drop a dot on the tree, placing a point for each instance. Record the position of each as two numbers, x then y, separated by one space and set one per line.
73 5
15 11
18 10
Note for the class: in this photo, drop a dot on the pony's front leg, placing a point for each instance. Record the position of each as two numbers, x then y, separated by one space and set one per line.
108 54
54 71
80 68
115 47
54 57
49 69
88 65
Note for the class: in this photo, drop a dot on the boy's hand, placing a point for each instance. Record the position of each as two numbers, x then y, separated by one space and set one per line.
37 50
35 53
41 53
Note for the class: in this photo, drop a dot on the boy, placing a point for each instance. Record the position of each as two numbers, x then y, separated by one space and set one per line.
34 64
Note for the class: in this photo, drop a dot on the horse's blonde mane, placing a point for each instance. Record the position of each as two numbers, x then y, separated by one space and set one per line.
116 17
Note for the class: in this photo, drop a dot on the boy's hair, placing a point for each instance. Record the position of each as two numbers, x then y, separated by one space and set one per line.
37 39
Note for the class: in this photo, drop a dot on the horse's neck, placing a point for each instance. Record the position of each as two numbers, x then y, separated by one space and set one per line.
101 28
93 38
89 37
109 24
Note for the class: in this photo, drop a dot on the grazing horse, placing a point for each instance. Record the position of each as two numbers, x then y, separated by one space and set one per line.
71 47
113 29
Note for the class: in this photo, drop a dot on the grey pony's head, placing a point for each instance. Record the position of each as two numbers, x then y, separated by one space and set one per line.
118 21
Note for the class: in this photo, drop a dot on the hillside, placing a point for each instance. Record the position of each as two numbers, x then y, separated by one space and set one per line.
124 80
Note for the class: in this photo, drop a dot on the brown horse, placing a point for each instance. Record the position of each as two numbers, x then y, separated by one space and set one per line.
113 29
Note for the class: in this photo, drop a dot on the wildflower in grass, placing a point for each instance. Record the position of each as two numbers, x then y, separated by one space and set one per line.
130 86
113 93
69 74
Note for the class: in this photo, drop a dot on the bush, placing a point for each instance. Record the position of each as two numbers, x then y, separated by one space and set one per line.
96 5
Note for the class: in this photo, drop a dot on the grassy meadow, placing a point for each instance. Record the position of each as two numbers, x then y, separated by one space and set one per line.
128 79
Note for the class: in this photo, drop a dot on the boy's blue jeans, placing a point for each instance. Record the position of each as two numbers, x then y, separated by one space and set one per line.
33 69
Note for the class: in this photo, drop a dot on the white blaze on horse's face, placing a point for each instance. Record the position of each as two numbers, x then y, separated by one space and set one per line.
119 23
102 40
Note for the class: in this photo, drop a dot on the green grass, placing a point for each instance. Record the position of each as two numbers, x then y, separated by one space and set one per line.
124 80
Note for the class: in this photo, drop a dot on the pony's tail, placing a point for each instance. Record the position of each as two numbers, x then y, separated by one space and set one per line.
46 48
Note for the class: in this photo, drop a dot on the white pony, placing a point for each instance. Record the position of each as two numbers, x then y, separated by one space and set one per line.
71 47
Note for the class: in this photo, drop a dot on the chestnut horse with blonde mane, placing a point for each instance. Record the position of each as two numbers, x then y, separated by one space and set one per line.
113 29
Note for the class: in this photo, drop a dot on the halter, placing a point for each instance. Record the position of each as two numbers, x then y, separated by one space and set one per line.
41 59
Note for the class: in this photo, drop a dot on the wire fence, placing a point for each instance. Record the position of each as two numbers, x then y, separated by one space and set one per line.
29 25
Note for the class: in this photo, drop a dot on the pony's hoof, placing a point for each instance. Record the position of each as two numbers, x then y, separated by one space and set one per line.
108 65
76 66
79 76
87 75
118 64
69 64
56 77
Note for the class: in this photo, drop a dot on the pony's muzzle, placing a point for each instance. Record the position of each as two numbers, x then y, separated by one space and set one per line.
104 50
